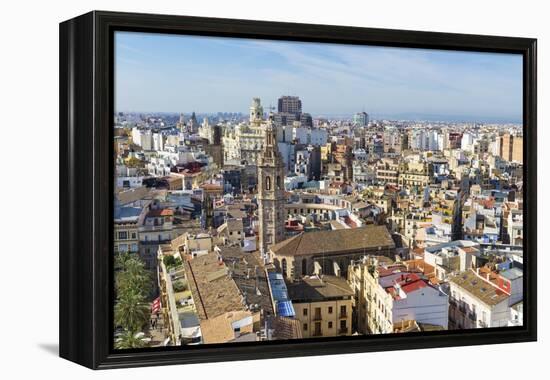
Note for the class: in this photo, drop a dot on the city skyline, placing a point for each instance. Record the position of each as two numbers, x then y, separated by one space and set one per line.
331 80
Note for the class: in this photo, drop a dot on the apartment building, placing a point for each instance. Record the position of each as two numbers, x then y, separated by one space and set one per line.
484 298
395 297
323 304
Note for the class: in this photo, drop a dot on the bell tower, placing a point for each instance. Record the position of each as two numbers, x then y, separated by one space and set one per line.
271 192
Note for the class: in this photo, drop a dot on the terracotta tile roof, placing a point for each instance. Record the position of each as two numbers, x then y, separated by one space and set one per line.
335 241
387 271
163 212
213 290
219 328
286 328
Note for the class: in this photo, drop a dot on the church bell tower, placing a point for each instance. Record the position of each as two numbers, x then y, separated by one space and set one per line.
271 192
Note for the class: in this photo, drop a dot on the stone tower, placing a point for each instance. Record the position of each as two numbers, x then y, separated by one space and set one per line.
271 193
256 111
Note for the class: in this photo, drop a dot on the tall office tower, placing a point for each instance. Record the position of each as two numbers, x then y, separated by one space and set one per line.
361 119
290 104
271 192
511 147
256 111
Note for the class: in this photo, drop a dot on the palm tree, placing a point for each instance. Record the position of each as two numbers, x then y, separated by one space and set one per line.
120 260
131 274
140 282
131 311
128 339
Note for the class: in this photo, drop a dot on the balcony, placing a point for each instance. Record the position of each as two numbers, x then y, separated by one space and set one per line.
343 315
317 317
343 330
317 333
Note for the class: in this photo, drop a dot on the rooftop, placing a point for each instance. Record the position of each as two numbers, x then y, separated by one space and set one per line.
213 290
512 273
127 214
479 288
344 240
160 212
248 273
315 288
285 328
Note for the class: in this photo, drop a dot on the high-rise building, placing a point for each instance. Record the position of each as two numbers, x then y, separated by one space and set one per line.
361 119
511 147
290 104
271 198
306 120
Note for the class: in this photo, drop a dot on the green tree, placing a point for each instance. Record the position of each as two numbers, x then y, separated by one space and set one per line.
133 285
128 339
132 312
132 276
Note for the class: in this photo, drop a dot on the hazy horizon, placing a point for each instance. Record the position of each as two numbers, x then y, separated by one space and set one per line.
181 74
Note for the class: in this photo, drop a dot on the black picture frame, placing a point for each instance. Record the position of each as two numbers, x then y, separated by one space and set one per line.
86 187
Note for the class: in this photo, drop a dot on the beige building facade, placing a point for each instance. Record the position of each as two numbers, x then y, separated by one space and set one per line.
323 305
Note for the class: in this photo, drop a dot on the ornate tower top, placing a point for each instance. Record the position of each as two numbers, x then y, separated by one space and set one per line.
256 111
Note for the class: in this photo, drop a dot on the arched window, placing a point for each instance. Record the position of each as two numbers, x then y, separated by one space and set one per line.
304 267
284 269
268 183
278 182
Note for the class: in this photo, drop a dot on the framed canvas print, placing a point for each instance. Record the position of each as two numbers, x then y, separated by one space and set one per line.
236 190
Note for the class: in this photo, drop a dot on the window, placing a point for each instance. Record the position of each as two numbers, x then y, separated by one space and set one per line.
343 324
317 313
268 183
330 309
317 331
305 326
342 311
122 235
283 263
134 236
330 325
305 313
304 267
278 182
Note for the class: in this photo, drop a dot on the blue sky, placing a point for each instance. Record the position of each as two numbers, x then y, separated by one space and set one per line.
168 73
